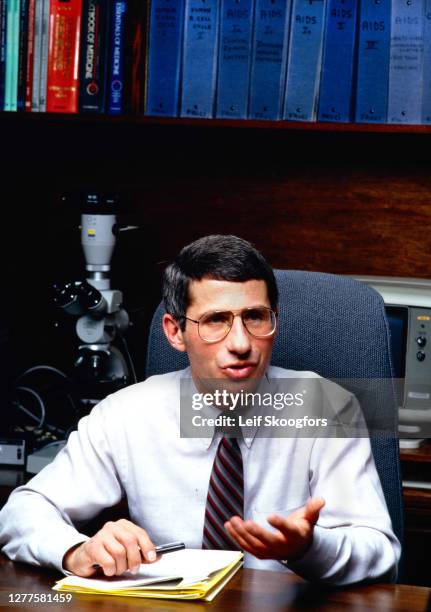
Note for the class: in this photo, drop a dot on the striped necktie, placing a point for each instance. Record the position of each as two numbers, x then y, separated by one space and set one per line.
225 495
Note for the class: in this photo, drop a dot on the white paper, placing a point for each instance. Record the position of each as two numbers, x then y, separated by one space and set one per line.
192 565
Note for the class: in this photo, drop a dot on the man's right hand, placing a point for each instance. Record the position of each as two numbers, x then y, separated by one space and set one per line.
117 547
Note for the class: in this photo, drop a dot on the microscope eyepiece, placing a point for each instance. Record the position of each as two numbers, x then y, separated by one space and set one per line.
66 296
78 297
90 297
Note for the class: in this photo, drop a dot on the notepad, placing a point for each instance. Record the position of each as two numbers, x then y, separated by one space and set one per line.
184 574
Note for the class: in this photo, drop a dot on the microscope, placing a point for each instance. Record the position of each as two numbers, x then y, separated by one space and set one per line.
100 367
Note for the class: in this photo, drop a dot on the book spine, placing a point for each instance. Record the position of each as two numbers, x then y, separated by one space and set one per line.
8 57
116 59
236 31
136 55
373 61
406 61
43 75
36 55
30 52
336 84
62 84
22 53
199 58
164 57
304 60
3 33
269 54
93 56
12 41
426 69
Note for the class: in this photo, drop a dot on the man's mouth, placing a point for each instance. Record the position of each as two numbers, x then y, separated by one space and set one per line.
240 370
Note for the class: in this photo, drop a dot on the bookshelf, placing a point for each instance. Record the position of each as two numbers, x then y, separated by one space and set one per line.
294 126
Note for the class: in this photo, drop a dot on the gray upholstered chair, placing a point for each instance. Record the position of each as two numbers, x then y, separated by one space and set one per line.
337 327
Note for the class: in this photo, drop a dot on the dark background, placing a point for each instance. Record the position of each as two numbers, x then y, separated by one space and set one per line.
348 202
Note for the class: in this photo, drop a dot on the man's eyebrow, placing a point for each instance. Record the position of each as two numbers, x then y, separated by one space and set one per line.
213 310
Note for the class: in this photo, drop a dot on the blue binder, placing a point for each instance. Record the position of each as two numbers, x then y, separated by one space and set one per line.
426 68
373 61
406 61
3 32
164 57
199 58
12 42
236 29
336 85
268 65
22 54
304 60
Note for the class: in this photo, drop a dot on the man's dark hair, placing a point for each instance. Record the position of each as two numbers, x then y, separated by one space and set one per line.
218 257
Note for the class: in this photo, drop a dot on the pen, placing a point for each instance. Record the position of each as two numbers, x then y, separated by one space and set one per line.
163 549
170 547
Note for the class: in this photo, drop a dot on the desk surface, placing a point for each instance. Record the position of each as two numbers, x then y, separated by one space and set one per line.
249 591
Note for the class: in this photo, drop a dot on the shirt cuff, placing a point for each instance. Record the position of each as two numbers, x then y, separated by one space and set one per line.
320 556
57 546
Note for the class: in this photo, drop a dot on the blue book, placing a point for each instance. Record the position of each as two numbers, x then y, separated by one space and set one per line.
22 53
405 67
336 84
93 54
199 58
44 49
304 60
373 61
37 55
3 32
236 29
426 68
268 64
116 58
12 42
164 57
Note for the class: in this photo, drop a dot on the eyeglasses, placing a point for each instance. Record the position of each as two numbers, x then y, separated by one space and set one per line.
259 321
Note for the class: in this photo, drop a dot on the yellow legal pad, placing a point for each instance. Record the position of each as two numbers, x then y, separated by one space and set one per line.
184 574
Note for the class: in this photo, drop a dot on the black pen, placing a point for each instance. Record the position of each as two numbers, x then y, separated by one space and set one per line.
162 549
170 547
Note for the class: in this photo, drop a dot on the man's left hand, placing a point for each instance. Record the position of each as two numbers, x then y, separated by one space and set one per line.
291 540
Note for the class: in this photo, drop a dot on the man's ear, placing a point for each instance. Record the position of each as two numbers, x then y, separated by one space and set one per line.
173 332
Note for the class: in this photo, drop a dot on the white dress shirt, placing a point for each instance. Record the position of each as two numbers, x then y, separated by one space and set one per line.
130 445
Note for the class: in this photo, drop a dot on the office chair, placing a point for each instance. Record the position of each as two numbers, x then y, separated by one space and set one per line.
337 327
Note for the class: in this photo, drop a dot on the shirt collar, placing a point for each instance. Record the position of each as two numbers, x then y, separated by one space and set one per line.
248 432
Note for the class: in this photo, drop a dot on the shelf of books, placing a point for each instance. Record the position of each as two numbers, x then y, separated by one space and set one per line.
339 65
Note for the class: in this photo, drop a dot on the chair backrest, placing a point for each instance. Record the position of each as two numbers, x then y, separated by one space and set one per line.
334 326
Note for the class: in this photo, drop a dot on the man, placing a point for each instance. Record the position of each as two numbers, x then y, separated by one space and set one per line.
312 506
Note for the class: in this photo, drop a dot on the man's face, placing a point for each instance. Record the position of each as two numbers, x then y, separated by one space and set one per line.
239 355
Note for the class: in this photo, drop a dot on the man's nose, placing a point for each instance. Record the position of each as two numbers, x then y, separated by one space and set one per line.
238 339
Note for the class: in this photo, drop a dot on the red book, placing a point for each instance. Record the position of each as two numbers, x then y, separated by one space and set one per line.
63 56
30 54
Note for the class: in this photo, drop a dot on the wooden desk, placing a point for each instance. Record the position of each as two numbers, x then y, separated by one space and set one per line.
249 591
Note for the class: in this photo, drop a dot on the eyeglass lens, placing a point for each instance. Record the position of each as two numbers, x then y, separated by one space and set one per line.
216 325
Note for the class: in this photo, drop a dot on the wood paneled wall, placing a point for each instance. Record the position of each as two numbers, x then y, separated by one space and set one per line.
348 203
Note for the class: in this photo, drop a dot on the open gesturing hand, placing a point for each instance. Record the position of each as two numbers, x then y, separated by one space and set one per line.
292 538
